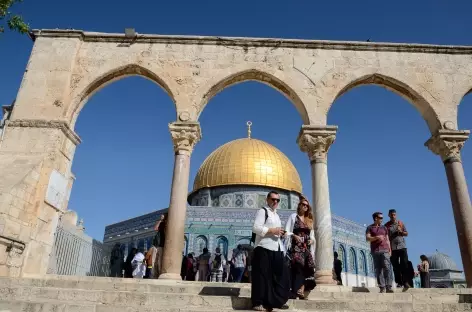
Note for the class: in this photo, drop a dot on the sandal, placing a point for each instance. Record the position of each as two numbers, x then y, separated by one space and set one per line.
300 295
259 308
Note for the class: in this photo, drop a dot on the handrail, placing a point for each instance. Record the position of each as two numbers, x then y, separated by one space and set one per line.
13 240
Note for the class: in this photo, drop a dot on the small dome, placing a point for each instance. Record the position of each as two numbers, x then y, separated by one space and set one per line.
440 261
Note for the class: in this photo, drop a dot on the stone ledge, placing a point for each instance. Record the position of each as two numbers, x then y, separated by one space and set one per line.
254 42
52 124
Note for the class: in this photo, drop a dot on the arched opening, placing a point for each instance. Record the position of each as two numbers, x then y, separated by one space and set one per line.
342 257
125 158
222 244
464 120
200 243
379 162
371 265
185 250
352 261
362 263
273 121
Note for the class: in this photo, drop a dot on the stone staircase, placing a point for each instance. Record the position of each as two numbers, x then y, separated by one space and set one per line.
98 294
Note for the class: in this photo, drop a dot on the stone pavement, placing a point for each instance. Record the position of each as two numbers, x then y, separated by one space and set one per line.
96 294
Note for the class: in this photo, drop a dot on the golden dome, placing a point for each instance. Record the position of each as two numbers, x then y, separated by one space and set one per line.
248 161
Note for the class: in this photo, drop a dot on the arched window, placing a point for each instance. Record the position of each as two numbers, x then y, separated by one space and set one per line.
342 256
222 243
200 243
362 263
352 260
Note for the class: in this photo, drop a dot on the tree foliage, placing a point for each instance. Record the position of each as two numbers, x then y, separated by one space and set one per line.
13 21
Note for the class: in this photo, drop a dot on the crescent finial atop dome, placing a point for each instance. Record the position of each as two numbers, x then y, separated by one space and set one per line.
249 124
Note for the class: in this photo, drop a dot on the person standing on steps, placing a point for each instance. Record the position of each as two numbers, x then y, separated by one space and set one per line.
270 287
160 239
217 264
397 233
377 235
338 268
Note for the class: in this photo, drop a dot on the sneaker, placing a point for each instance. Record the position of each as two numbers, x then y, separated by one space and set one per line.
390 291
382 290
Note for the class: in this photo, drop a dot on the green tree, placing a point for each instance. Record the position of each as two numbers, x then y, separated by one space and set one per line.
13 21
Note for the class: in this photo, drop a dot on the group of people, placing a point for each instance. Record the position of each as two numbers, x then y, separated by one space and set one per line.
141 264
283 265
388 248
215 267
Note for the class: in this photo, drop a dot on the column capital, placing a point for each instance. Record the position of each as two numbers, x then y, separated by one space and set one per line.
448 144
316 141
185 135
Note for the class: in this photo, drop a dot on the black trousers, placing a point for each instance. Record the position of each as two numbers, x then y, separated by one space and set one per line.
270 278
399 261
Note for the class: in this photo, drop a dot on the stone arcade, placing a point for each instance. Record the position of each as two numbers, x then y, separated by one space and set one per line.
66 67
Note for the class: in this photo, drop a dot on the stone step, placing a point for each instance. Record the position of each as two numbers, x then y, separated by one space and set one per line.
300 306
187 292
203 288
109 297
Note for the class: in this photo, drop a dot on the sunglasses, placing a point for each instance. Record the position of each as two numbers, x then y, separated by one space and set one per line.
275 199
380 218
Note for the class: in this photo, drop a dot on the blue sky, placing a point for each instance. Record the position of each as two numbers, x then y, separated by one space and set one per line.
124 165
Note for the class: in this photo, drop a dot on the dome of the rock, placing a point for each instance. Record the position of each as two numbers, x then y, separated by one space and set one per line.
248 161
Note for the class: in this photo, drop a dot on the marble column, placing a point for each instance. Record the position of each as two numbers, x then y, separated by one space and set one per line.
184 135
447 144
316 141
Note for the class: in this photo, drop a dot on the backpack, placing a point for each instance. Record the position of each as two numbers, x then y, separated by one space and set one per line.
253 237
216 264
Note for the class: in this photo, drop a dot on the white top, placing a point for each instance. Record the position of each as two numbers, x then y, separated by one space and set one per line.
138 265
264 240
289 229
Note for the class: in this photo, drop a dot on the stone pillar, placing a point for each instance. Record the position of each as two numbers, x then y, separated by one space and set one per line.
185 135
316 142
447 144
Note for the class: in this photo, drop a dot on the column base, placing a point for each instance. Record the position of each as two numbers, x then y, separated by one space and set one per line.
325 277
170 276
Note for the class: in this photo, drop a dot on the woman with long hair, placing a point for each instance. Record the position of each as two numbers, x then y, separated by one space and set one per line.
423 267
300 244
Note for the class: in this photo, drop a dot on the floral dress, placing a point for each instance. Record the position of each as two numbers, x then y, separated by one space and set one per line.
300 251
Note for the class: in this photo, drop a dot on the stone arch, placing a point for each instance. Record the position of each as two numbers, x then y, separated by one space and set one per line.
336 83
88 88
273 78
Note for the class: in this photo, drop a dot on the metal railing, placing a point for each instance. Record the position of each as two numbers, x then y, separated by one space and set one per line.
75 253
